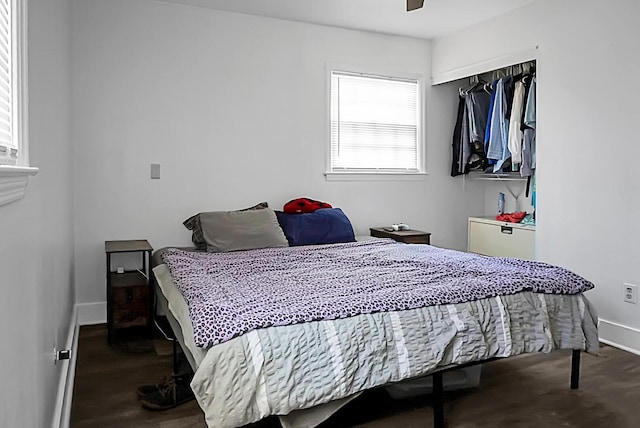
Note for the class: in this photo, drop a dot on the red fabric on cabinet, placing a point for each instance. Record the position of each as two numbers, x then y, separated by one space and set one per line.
515 217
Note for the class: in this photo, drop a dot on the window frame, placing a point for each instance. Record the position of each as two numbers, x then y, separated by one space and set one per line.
14 178
372 174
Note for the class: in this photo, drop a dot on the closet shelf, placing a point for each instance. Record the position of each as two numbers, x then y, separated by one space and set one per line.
515 176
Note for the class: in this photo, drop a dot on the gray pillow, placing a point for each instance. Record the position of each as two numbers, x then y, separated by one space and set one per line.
241 230
193 224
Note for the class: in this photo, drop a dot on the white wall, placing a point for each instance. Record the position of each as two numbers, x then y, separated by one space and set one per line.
234 109
37 235
587 138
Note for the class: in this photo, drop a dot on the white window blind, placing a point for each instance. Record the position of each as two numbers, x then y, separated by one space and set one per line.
8 146
375 123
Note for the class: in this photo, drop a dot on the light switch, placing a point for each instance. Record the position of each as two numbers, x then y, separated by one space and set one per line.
155 171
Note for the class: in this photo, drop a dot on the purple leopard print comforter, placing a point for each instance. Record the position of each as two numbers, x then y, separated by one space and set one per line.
229 294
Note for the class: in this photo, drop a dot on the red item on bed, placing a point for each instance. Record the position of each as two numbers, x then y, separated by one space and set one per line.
515 217
304 205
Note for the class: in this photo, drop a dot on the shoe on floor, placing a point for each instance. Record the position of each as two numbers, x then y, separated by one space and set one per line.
168 396
143 390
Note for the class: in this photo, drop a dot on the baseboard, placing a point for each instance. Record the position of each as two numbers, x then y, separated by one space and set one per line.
62 410
620 336
92 313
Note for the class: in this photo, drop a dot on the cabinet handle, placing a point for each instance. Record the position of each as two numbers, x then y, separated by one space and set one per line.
506 229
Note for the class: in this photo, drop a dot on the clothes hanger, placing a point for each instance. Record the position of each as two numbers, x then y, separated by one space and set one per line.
475 82
464 90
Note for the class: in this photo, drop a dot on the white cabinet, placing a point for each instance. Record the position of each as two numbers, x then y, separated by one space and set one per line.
501 239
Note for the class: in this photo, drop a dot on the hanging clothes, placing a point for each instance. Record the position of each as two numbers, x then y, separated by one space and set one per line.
465 151
526 79
530 110
469 131
515 123
528 152
534 195
529 125
487 133
457 139
499 136
477 105
478 109
508 88
496 127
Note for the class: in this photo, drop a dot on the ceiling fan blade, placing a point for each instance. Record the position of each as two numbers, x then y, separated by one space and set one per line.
414 4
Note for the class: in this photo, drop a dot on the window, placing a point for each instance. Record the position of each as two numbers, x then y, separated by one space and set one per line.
14 162
10 82
376 124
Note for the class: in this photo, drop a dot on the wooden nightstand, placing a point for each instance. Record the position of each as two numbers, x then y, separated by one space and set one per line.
129 297
406 236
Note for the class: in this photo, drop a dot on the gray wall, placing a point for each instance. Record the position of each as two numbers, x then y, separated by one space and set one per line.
234 108
587 138
36 244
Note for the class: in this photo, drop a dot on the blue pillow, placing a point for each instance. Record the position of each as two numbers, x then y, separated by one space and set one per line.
323 226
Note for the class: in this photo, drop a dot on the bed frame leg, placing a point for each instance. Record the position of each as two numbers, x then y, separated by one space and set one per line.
575 368
175 356
438 401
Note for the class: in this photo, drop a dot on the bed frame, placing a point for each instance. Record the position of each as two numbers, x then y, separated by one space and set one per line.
175 334
177 337
438 390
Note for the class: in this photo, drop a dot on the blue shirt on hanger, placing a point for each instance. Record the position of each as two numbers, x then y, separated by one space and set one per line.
499 134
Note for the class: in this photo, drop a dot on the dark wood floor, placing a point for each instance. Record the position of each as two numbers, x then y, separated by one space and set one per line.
530 391
107 377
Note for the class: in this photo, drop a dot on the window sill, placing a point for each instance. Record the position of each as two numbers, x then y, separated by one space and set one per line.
375 176
13 182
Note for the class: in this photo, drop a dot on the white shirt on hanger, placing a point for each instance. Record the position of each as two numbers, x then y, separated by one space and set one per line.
515 123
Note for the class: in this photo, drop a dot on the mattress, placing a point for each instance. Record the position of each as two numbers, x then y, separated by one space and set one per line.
281 369
171 300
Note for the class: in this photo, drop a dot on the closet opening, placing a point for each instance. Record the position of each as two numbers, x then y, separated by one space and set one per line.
494 141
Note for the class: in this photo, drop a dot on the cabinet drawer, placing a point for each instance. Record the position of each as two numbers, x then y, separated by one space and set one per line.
423 239
406 236
501 241
130 306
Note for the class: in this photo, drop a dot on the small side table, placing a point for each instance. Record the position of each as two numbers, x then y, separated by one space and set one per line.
129 297
406 236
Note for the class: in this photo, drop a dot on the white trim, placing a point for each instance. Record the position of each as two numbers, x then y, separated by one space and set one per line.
62 410
485 66
422 113
92 313
375 176
620 336
21 96
13 182
19 104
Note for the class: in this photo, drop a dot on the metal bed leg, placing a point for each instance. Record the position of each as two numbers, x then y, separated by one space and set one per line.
175 357
575 368
438 401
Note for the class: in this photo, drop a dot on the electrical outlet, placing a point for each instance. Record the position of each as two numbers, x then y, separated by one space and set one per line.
59 355
155 171
630 293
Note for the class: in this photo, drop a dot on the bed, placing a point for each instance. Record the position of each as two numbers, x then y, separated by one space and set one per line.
299 331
